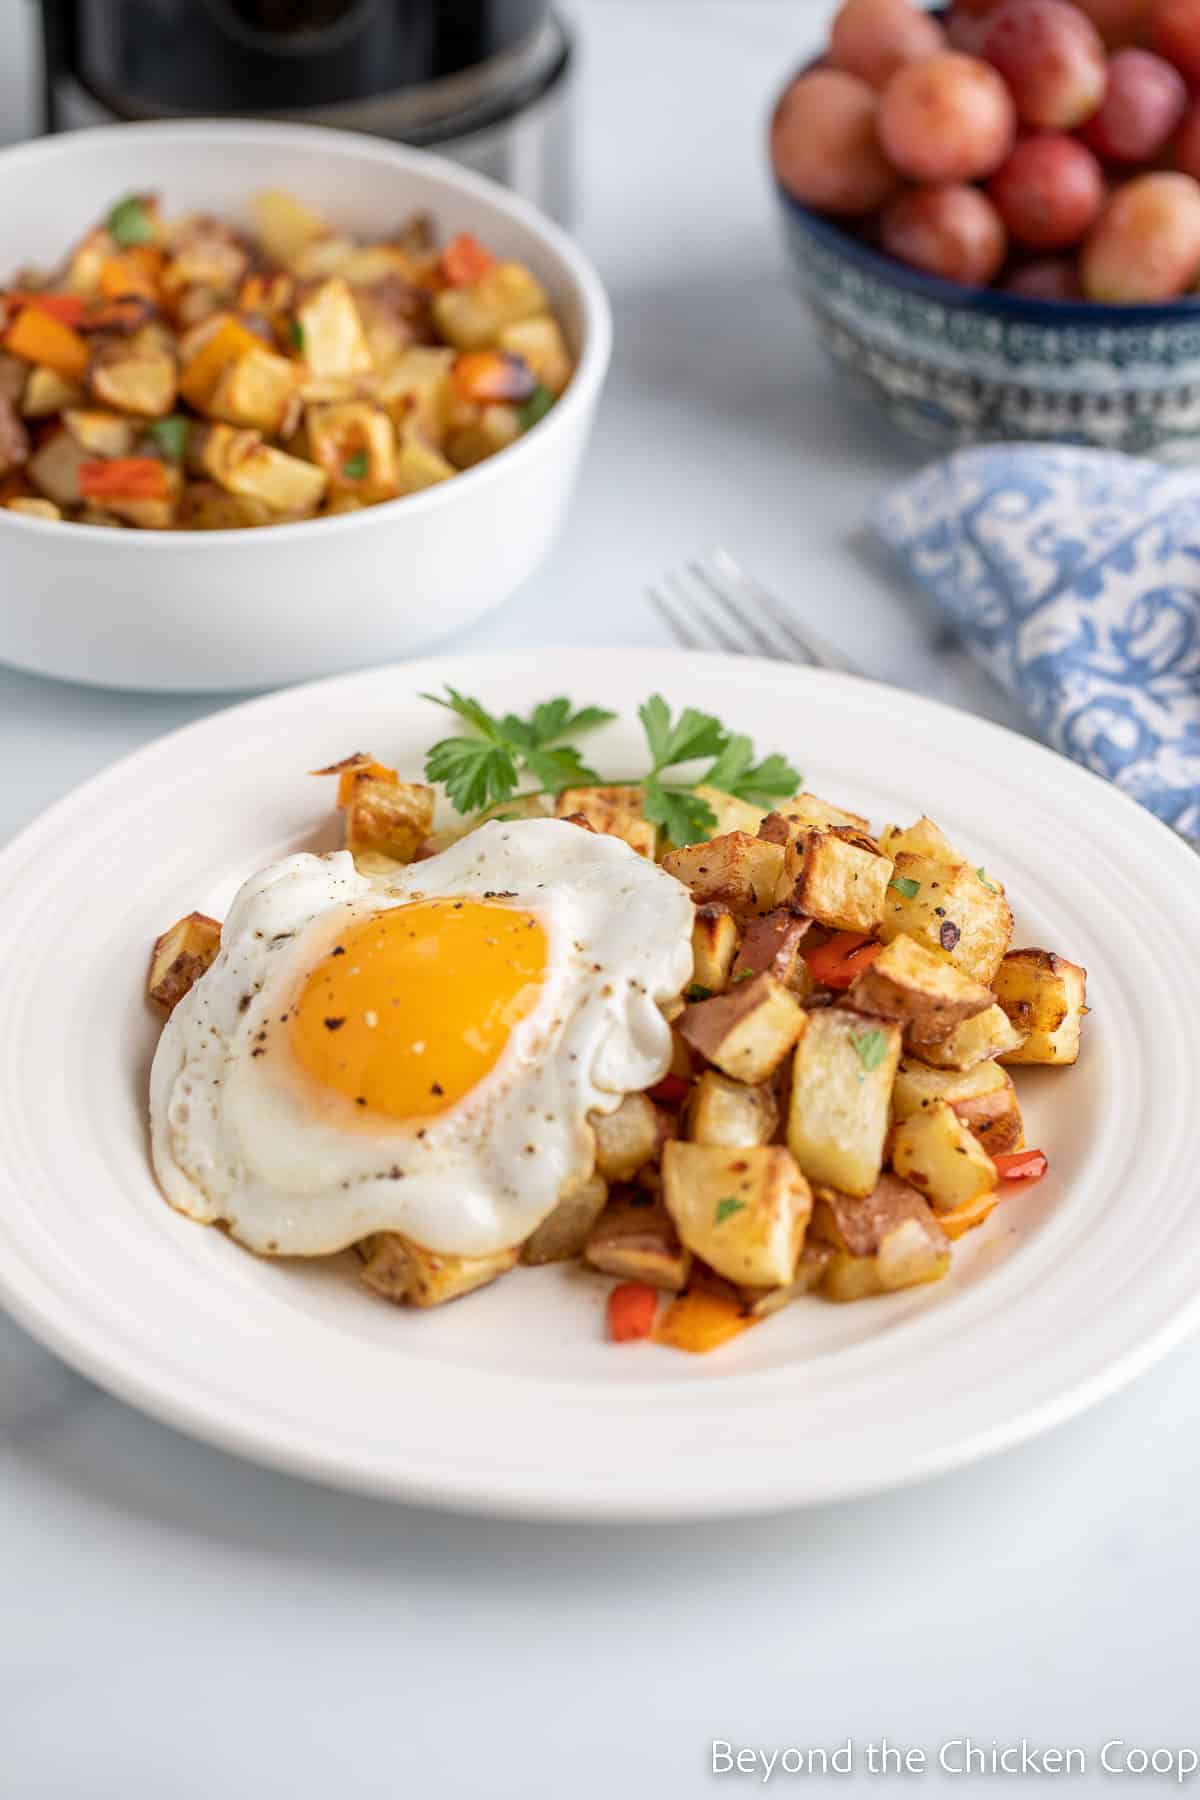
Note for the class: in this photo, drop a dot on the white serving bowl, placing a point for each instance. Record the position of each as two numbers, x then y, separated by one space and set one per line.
196 610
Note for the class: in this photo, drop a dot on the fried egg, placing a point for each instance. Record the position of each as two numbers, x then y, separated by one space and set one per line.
418 1053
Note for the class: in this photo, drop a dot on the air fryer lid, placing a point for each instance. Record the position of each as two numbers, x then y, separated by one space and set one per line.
222 56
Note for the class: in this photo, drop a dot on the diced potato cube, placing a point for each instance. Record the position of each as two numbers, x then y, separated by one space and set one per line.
1044 996
418 466
150 515
761 1303
257 389
988 1034
410 1275
563 1235
332 338
983 1098
731 813
625 1138
613 811
951 911
795 818
87 262
935 1152
33 509
355 443
740 871
204 506
473 316
495 429
928 995
101 433
840 1101
47 392
540 344
284 225
730 1114
744 1211
922 839
771 946
635 1239
139 379
383 815
239 461
714 947
839 882
54 469
417 389
880 1243
747 1032
180 957
14 440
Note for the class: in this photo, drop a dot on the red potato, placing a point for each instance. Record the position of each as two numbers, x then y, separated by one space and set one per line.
1119 22
1145 246
949 118
1185 150
964 30
874 38
1049 192
1050 278
825 144
951 230
1175 34
1143 103
1051 57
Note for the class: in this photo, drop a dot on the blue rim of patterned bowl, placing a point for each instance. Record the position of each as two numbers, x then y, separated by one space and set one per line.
837 239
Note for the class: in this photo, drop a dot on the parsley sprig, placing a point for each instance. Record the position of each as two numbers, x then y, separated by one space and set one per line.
487 768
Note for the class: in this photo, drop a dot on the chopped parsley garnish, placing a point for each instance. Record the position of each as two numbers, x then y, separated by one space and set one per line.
130 223
904 884
742 975
727 1207
533 410
171 436
356 466
698 991
870 1047
296 333
989 885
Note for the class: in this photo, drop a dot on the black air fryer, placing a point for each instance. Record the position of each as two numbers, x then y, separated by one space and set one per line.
483 81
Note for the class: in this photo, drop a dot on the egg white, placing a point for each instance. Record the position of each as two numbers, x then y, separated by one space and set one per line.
235 1136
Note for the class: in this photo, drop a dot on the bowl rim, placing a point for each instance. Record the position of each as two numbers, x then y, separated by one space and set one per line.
572 406
1020 308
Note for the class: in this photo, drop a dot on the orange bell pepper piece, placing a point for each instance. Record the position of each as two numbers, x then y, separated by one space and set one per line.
699 1321
835 964
38 337
961 1219
124 478
67 308
136 271
465 259
202 372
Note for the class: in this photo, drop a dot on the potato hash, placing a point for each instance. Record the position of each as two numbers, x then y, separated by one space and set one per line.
839 1105
185 375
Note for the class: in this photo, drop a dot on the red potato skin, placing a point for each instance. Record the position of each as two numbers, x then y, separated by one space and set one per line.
1175 34
1050 278
1144 102
1119 22
1145 246
950 118
825 147
1050 191
952 230
1185 150
1052 59
874 38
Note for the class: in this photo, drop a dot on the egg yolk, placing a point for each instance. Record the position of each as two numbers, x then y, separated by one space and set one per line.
412 1007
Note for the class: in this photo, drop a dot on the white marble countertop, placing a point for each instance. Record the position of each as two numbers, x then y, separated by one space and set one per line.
180 1623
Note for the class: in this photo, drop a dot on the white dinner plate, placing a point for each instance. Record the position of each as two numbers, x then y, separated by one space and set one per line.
511 1401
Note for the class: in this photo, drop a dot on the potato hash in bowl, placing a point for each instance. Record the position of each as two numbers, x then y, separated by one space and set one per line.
187 374
706 1033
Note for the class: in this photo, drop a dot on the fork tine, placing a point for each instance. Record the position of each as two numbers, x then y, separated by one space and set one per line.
685 597
723 567
679 627
769 642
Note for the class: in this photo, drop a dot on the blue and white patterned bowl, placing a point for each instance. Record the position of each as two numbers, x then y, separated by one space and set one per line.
958 365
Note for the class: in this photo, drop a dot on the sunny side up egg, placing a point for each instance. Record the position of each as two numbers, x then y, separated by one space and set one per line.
417 1053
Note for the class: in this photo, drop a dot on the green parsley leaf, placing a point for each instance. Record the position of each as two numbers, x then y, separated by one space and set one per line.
356 466
742 975
698 991
534 410
553 720
471 711
871 1047
735 772
296 333
904 884
130 223
171 436
727 1207
474 772
560 768
683 815
989 885
691 735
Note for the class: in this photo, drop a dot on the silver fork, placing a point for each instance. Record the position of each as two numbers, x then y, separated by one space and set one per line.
713 604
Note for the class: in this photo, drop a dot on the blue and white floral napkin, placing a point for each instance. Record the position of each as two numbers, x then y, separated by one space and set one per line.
1073 576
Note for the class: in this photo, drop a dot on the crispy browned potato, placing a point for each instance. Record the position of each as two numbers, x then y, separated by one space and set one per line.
1045 997
721 1111
840 881
240 462
714 947
976 1040
841 1093
635 1239
771 946
760 1303
928 995
133 377
331 331
625 1138
740 871
384 816
935 1151
880 1243
748 1031
472 316
101 433
983 1097
563 1234
950 909
805 813
410 1275
922 839
257 389
743 1211
180 957
614 812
